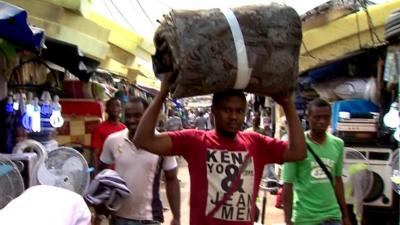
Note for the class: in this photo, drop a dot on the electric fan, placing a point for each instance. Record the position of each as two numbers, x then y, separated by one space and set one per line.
22 150
66 168
11 184
30 145
395 171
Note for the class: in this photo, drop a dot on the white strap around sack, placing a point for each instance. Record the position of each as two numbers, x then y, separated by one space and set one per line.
243 70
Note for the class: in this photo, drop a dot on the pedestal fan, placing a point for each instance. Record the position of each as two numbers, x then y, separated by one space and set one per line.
66 168
11 184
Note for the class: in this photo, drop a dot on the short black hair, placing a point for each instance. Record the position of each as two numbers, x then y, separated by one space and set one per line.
112 99
219 96
318 102
136 99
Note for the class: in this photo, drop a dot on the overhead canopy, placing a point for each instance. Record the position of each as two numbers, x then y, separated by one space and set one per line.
15 29
128 12
71 58
366 57
339 37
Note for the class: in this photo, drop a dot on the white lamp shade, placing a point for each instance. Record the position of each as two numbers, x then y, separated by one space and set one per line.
391 119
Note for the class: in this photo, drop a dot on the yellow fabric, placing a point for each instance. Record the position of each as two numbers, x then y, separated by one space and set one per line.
396 179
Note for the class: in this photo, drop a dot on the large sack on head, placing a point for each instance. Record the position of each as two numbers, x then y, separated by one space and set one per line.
199 47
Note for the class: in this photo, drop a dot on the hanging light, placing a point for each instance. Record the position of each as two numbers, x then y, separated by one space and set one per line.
36 116
27 118
45 108
15 106
391 119
56 119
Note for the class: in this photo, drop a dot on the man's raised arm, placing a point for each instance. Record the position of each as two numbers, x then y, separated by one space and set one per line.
297 147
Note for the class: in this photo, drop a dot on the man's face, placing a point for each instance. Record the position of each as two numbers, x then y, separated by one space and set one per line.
229 114
114 109
319 119
133 114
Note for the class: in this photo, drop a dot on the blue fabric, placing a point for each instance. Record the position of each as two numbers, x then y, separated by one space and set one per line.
122 221
14 27
356 107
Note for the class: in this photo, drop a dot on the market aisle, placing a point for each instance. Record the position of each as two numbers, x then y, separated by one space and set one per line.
273 215
183 175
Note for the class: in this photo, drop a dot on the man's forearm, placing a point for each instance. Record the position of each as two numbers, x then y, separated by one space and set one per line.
339 192
287 201
174 197
296 133
96 158
148 122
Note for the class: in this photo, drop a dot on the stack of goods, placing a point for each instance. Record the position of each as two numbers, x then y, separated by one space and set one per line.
88 90
355 120
357 124
81 117
251 48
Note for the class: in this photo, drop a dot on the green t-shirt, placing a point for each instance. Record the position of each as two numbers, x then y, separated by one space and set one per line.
314 198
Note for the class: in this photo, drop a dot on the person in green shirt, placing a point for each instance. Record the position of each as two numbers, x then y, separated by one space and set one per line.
309 197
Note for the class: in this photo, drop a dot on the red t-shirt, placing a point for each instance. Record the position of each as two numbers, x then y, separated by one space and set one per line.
101 132
213 162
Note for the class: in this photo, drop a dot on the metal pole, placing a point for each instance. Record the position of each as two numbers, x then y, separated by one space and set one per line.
264 204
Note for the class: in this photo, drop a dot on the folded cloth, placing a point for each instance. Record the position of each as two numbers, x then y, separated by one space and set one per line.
107 188
205 51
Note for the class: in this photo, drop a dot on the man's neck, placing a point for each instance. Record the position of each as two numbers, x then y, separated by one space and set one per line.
113 120
226 135
317 137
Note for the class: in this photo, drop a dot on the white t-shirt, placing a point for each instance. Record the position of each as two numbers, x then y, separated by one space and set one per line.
46 205
141 170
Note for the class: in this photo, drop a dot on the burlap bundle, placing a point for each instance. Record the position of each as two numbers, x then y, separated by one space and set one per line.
199 48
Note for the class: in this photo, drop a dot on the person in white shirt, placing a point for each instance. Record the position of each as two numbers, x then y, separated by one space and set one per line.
46 205
141 170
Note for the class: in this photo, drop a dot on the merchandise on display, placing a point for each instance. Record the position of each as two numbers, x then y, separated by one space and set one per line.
34 113
251 48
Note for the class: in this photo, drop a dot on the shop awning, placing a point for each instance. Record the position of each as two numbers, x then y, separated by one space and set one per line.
338 66
345 35
70 57
15 29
